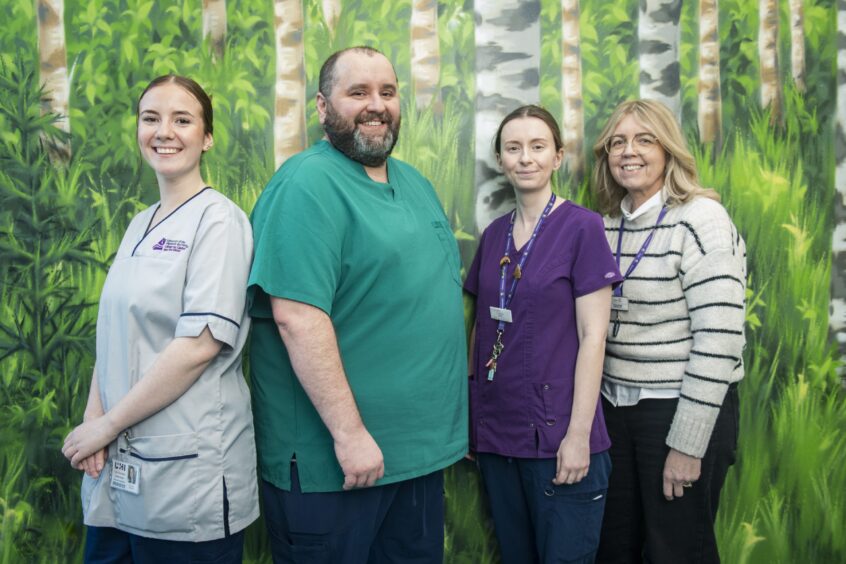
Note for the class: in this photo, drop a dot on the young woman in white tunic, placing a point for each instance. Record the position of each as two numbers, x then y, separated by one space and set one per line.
167 441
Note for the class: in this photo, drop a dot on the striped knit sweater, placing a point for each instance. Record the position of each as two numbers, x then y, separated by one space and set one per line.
684 325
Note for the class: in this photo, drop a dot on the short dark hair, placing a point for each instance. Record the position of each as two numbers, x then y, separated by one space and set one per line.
530 110
192 88
327 78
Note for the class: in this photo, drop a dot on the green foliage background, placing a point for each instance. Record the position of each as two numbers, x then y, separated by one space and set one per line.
784 501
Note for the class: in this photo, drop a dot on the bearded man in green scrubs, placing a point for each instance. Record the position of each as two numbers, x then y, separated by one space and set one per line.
358 351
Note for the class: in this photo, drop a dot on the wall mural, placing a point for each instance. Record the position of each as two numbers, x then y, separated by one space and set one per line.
760 87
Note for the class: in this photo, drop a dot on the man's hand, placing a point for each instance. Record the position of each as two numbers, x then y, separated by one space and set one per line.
87 439
360 459
573 460
680 471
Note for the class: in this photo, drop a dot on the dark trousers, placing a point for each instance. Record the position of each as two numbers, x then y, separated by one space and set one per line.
105 545
538 521
397 523
640 525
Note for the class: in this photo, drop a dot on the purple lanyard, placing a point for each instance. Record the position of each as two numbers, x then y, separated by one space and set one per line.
618 291
505 299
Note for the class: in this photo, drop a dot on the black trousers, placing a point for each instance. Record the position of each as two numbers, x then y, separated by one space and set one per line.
640 525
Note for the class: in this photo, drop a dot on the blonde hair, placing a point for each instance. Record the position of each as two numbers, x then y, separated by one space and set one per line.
681 181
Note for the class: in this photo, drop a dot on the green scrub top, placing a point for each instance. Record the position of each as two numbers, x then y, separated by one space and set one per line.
382 262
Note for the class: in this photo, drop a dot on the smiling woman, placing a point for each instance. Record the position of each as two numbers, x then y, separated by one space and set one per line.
169 410
542 282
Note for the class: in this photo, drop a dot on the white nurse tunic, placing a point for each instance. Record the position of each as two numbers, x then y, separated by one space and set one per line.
187 273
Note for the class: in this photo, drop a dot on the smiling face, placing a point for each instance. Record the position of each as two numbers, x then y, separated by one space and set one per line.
171 132
361 114
639 168
528 156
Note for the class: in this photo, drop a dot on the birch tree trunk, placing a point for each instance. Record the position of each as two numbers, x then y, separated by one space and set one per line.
53 70
507 76
797 44
214 24
331 13
837 317
573 126
768 55
710 99
289 123
425 52
658 33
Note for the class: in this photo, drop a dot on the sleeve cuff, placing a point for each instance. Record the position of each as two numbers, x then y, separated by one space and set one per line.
223 329
691 434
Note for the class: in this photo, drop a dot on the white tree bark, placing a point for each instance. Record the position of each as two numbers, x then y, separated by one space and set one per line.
425 52
53 68
710 99
837 314
768 56
658 33
214 24
797 44
331 13
289 123
573 125
507 76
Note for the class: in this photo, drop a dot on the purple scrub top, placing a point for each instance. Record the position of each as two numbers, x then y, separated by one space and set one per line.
525 411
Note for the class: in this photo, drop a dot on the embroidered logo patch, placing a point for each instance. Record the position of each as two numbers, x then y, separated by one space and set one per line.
172 245
609 275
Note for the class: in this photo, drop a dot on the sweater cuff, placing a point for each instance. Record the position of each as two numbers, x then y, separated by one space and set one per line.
691 430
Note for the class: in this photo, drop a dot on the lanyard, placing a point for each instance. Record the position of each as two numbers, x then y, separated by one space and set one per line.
618 291
505 299
618 301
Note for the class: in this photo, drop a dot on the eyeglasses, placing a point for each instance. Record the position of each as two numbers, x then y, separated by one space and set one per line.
641 143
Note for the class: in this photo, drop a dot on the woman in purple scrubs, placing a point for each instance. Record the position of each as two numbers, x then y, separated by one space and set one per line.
542 279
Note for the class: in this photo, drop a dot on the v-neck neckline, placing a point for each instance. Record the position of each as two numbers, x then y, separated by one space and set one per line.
150 227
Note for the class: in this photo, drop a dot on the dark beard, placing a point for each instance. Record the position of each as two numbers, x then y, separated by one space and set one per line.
349 140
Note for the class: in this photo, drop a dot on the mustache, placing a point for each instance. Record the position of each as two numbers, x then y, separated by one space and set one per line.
381 116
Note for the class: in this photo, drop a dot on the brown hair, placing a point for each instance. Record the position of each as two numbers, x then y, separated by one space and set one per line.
326 80
681 181
193 89
529 110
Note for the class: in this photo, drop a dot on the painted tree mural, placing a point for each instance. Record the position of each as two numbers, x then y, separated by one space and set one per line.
507 76
289 124
837 311
214 24
53 69
710 100
658 35
573 122
60 225
797 44
768 58
331 13
425 52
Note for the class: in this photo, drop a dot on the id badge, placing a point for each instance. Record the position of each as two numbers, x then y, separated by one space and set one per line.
126 476
501 314
619 303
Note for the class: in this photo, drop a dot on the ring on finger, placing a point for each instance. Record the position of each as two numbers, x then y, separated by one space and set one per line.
687 484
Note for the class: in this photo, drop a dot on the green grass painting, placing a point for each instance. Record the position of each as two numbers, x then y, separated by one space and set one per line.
784 500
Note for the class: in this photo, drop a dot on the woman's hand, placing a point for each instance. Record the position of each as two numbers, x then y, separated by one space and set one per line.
680 471
95 463
87 440
573 459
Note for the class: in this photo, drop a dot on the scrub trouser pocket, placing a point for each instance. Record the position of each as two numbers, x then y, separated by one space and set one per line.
538 521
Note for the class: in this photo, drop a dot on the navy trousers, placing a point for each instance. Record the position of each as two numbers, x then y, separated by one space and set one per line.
105 545
640 525
538 521
397 523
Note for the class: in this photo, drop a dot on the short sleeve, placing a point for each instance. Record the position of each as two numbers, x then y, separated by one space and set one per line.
471 282
593 264
216 279
298 237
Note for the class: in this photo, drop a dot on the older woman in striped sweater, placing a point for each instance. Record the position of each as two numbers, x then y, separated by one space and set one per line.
673 354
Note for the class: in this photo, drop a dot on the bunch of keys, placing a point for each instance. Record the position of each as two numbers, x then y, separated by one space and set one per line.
497 350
